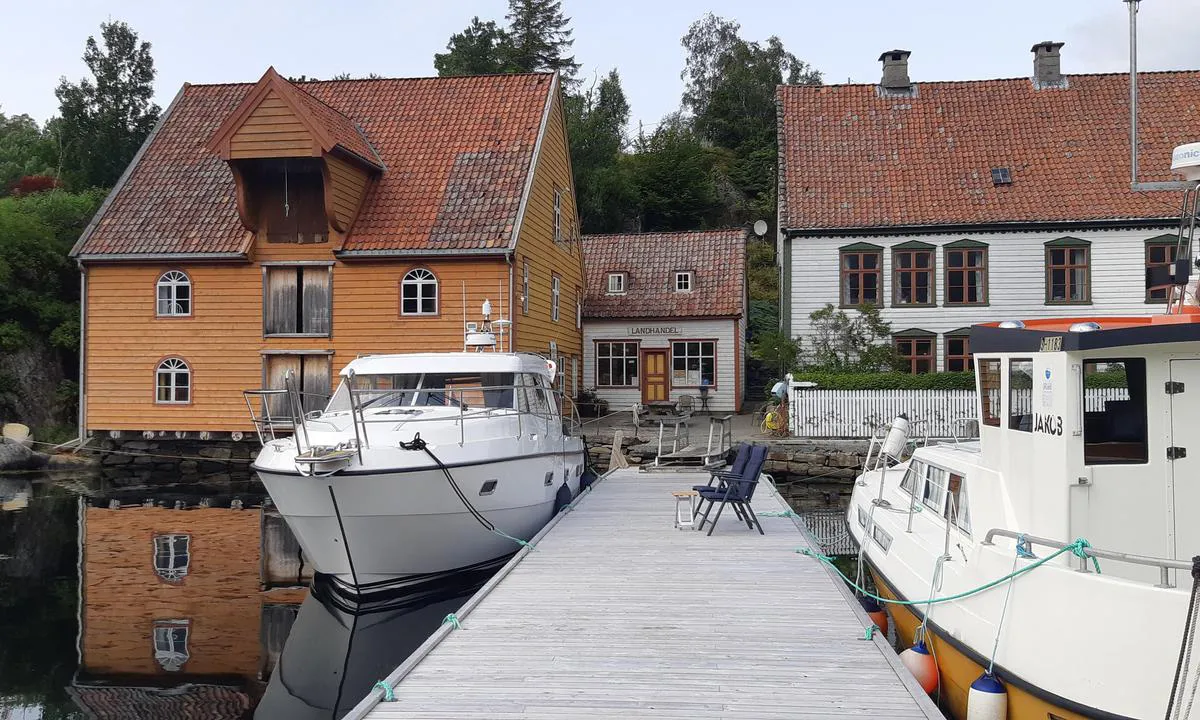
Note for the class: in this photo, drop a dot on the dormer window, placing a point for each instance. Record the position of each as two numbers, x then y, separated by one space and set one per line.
616 283
290 195
683 281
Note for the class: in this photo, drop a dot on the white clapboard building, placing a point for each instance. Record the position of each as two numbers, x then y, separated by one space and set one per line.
952 203
664 315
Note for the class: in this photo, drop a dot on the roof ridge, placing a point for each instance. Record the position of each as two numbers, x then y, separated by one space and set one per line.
664 232
1013 78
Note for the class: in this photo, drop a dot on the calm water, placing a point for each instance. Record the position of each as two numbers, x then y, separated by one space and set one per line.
173 600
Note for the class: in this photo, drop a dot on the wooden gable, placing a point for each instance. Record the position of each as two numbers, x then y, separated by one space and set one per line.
278 120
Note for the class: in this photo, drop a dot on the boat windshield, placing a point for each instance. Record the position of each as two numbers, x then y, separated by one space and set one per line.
466 390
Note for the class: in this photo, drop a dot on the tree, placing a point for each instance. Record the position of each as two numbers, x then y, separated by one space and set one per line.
707 42
673 174
596 121
348 76
482 48
540 38
841 343
776 351
106 118
25 150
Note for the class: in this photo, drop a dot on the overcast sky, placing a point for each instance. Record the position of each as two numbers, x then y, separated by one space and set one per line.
209 41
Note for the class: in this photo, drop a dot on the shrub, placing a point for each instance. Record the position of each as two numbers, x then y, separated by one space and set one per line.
888 380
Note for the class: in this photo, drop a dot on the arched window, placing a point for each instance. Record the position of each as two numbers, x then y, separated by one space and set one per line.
170 644
173 382
174 294
172 555
418 293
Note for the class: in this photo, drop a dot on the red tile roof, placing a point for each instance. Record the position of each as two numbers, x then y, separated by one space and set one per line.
189 702
717 259
851 157
457 153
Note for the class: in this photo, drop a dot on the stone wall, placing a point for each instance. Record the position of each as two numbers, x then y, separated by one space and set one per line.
139 460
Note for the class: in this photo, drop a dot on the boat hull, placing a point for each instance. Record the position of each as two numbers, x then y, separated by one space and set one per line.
957 670
374 530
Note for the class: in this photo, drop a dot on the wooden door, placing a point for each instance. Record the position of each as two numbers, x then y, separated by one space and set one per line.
655 384
310 374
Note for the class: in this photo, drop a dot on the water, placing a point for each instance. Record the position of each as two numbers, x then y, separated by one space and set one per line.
183 599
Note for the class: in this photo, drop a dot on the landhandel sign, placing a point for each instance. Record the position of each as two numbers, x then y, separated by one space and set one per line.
652 330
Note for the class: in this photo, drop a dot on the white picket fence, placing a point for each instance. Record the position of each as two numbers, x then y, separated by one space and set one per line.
856 413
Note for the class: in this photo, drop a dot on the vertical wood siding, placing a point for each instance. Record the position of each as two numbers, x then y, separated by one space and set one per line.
348 185
1016 280
272 130
535 331
222 340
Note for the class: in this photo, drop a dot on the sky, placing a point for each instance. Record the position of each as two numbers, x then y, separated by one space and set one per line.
207 41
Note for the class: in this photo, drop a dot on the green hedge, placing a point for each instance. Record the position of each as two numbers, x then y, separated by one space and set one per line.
888 380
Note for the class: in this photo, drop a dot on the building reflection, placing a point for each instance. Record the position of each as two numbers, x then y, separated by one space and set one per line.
185 602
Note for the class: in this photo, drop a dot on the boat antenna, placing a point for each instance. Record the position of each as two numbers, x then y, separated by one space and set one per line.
1133 113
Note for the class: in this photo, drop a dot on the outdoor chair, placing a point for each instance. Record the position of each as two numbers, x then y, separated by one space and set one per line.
685 406
738 492
734 470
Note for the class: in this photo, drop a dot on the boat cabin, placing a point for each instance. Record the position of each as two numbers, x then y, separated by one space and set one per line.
1090 423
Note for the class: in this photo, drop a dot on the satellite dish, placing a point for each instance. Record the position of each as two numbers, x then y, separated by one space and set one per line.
760 227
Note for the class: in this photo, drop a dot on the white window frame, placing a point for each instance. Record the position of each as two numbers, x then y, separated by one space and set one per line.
167 652
683 281
630 381
168 571
525 288
171 369
557 215
700 357
555 293
937 486
422 279
619 283
167 302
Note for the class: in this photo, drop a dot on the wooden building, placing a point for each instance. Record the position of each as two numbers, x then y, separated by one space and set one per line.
294 226
665 316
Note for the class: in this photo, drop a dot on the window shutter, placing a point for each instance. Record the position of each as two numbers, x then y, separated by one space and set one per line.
316 299
281 301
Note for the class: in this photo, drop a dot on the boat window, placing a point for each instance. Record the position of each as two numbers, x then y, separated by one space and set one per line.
481 390
382 391
914 477
934 495
1020 395
1114 418
959 512
989 390
532 397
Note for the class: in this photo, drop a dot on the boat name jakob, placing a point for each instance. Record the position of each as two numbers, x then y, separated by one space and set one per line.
1048 424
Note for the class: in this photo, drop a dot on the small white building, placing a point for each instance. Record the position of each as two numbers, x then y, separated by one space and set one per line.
664 315
952 203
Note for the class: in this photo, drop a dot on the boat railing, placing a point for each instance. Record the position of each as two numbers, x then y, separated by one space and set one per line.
277 412
1164 565
968 425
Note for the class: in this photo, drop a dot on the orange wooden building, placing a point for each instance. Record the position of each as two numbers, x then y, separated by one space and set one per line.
293 226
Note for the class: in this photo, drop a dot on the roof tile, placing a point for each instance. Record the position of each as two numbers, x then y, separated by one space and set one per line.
717 259
852 157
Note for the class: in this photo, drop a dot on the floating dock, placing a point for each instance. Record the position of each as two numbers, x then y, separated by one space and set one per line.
615 613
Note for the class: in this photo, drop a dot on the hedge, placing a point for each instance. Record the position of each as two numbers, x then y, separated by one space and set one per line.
888 380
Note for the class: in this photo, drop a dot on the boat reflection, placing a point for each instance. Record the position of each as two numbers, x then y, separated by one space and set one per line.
336 650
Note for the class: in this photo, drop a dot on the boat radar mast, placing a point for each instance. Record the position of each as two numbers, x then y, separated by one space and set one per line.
1185 161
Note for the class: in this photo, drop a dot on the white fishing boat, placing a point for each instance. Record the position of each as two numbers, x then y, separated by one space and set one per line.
421 464
1083 481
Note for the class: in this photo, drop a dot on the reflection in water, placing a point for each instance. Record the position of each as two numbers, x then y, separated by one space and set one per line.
177 601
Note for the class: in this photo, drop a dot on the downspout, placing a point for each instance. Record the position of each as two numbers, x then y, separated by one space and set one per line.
1134 185
82 351
512 315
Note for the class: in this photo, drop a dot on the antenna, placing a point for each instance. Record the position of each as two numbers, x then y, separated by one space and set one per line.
760 227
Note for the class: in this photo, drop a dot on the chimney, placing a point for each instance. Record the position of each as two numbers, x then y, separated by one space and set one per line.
895 70
1047 65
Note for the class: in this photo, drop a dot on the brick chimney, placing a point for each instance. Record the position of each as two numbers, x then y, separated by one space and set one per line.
895 70
1047 65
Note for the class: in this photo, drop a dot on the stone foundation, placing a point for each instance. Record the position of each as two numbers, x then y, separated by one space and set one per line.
138 460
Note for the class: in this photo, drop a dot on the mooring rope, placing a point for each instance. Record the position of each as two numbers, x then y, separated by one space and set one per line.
1183 667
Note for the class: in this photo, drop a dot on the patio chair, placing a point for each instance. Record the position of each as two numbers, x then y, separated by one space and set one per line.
685 406
738 492
734 470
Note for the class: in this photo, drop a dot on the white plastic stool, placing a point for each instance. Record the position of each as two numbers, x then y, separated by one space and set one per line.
688 522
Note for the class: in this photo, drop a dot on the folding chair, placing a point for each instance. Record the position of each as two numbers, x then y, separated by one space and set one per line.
738 492
735 470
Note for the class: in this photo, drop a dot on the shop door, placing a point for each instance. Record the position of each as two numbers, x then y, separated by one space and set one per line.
655 387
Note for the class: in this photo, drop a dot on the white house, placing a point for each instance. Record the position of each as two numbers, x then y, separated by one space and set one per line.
952 203
664 315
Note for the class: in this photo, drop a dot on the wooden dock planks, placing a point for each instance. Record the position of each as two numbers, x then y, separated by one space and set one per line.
616 613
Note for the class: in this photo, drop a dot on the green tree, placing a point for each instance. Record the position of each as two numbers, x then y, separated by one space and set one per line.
673 175
25 149
596 121
104 119
778 352
482 48
844 343
540 38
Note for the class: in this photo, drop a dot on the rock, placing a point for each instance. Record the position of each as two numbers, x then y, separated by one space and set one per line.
66 460
841 460
188 467
797 468
217 453
842 473
210 466
777 455
116 459
144 460
775 466
139 445
19 457
809 458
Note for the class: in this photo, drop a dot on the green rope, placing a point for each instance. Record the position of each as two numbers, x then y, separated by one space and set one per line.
1077 548
870 633
776 513
517 540
387 691
452 620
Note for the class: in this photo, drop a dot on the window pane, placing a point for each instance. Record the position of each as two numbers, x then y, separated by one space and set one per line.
870 261
1114 424
924 259
954 294
989 387
954 258
850 262
1020 395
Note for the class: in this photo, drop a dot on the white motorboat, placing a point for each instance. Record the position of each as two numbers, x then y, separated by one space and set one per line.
420 464
1083 481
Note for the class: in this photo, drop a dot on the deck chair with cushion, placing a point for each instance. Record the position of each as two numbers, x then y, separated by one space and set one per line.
738 492
734 470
